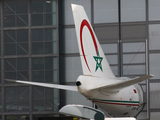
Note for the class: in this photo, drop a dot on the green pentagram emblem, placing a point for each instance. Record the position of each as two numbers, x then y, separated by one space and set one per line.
98 60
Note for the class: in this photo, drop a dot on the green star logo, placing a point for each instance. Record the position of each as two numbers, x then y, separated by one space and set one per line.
98 60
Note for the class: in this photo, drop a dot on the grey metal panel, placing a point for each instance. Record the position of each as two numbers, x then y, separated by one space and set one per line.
70 40
109 48
107 33
132 10
154 9
45 99
134 47
134 32
114 70
17 99
133 58
142 115
106 12
68 17
154 95
133 69
154 37
44 69
155 115
112 59
154 65
72 68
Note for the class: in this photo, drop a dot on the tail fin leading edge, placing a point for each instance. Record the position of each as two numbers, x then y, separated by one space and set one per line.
93 60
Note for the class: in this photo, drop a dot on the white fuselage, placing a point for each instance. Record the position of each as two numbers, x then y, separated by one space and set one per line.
124 102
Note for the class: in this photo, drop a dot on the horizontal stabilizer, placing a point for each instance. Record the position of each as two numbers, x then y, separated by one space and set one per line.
49 85
82 111
129 82
119 85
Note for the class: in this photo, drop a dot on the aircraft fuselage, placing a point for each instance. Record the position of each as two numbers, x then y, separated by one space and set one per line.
124 102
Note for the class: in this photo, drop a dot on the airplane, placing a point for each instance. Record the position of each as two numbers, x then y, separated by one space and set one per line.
115 96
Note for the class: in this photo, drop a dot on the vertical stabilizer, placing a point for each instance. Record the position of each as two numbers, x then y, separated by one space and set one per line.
93 60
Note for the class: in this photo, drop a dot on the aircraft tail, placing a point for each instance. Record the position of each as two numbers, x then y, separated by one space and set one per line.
93 60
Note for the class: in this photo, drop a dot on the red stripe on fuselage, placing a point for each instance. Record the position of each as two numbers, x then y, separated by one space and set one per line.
116 103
